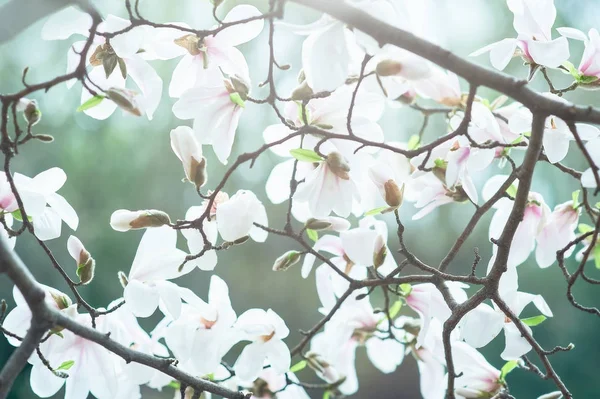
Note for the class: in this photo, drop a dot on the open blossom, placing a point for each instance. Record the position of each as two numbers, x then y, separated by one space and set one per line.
557 233
215 107
203 333
266 330
533 20
270 381
398 69
157 260
195 240
41 191
485 322
189 152
209 52
237 215
557 134
476 377
590 60
112 62
442 87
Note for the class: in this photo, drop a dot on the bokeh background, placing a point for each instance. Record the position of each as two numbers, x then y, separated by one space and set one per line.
126 162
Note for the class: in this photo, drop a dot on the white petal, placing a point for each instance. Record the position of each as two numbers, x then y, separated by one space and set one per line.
481 325
43 382
278 355
551 54
572 33
65 23
148 81
250 363
141 299
325 58
386 355
47 226
66 212
556 146
516 345
169 296
240 33
49 181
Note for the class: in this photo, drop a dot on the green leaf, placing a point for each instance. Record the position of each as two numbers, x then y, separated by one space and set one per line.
17 215
326 394
395 309
413 142
304 155
210 377
440 163
174 384
571 69
584 228
512 190
575 198
237 99
91 103
597 205
534 321
298 366
406 289
376 211
507 368
587 79
312 234
66 365
597 256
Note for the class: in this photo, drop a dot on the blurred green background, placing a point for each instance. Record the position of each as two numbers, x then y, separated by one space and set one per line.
126 162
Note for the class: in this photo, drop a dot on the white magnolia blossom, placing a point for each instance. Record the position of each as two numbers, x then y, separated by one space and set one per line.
236 217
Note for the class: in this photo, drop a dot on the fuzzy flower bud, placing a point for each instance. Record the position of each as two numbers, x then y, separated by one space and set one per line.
380 252
124 220
286 260
338 165
126 99
31 112
85 263
189 42
302 92
388 68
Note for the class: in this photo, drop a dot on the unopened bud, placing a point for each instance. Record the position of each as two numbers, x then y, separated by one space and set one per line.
301 76
302 92
46 138
388 68
240 240
286 260
62 301
458 195
123 279
31 112
439 170
98 55
317 225
124 220
380 252
189 42
85 271
126 99
199 172
338 165
240 86
393 194
325 370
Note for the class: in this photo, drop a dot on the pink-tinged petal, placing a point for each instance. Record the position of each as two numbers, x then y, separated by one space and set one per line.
66 212
551 54
556 146
457 161
63 24
141 298
241 33
572 33
587 132
43 382
278 355
48 225
516 345
481 326
184 75
150 84
325 58
386 355
78 388
250 362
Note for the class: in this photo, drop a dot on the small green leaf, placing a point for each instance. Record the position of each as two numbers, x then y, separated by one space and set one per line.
17 215
597 205
571 69
584 228
406 289
597 256
395 309
507 368
440 163
237 99
413 142
210 376
486 102
587 79
375 211
326 394
512 191
92 102
575 198
304 155
517 140
312 234
174 384
298 366
534 321
66 365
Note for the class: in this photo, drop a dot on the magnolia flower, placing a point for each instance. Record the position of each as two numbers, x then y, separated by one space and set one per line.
215 107
484 323
195 240
41 191
329 187
270 381
442 87
203 333
157 259
266 331
534 219
533 20
189 152
476 377
237 215
112 61
125 220
590 60
215 51
557 233
557 134
85 263
398 69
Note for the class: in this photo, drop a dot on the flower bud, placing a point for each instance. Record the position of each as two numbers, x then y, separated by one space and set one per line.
126 99
123 279
458 195
85 263
388 68
393 194
380 252
32 113
286 260
301 76
85 271
338 165
240 86
124 220
302 92
62 301
189 42
322 367
46 138
198 170
317 224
